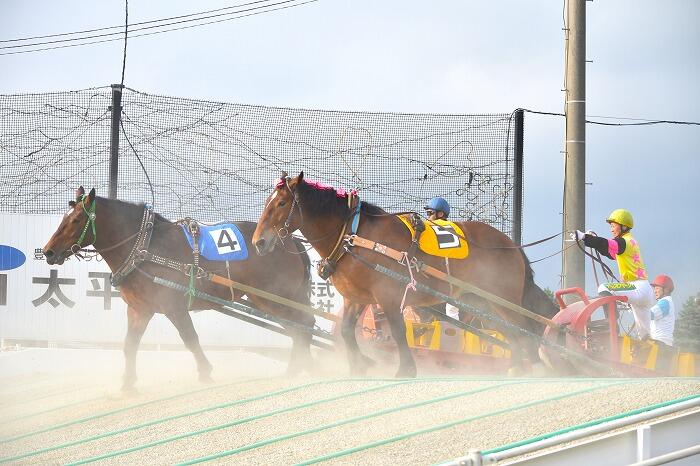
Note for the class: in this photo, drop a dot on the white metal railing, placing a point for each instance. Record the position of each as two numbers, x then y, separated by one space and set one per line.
675 437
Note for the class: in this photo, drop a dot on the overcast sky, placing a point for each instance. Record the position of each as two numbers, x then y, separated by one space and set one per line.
454 56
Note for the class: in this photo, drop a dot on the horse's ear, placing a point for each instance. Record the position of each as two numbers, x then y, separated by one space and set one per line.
284 175
79 193
90 198
300 178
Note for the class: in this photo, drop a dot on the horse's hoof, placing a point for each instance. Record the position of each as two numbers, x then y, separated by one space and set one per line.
206 378
129 390
292 371
540 369
128 384
368 362
358 370
406 373
515 371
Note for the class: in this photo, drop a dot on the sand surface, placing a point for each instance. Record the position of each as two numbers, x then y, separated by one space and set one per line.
60 406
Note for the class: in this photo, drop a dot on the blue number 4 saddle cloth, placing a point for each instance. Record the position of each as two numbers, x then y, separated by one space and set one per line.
220 242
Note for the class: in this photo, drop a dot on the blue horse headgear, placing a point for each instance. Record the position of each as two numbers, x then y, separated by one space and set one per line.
438 203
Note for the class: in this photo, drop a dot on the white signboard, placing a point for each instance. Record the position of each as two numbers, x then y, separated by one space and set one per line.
75 302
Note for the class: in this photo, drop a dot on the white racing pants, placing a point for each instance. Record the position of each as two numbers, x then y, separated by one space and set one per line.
640 297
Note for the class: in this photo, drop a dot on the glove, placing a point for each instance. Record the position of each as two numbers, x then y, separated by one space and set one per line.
577 235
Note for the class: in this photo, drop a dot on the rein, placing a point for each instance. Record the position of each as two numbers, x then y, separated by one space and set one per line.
604 267
139 251
464 237
326 266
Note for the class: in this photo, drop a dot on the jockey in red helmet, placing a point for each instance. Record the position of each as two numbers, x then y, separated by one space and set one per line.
663 314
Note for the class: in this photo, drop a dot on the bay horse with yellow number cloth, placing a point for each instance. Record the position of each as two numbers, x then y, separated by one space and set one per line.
323 215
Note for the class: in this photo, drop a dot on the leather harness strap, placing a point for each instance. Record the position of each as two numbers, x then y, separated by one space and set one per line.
326 266
140 253
140 246
461 286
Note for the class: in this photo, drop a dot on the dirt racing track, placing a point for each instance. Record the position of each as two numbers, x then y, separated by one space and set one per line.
64 407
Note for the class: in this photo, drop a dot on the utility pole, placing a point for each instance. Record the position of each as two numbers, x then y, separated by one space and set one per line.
573 267
116 109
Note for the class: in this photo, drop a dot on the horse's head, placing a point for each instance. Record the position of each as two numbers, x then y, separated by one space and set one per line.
281 214
74 232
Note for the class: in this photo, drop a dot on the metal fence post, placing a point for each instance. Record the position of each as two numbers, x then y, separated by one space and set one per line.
116 109
475 457
643 442
518 179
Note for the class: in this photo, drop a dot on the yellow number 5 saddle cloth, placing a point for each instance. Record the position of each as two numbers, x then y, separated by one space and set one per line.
440 238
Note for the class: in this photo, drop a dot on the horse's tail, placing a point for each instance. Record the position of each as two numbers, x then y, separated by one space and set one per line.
307 266
534 297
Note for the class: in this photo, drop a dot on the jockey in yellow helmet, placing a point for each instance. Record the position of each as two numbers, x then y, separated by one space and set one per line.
624 249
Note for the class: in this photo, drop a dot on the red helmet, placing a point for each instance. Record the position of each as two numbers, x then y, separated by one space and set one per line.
664 281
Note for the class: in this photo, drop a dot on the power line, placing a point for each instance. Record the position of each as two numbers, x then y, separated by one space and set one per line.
120 34
640 121
164 24
133 24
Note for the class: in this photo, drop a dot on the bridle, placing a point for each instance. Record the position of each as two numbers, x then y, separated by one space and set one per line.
91 217
142 235
283 232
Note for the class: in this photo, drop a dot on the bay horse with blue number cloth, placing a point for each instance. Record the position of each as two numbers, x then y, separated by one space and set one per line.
494 264
118 231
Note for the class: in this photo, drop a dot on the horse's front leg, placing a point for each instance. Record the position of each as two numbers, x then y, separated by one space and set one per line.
137 322
183 323
300 357
357 361
407 365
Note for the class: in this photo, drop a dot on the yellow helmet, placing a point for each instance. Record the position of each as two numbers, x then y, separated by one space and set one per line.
621 216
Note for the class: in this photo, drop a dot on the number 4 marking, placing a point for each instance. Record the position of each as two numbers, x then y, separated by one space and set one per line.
226 241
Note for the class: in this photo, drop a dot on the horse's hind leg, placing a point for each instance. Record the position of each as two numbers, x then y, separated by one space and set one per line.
522 346
183 323
137 322
358 362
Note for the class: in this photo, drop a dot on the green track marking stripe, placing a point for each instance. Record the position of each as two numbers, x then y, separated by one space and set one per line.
159 421
77 421
589 424
27 416
120 410
343 422
43 396
397 438
237 422
199 411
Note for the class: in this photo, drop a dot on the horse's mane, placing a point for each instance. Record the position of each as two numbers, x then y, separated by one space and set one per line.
139 205
320 200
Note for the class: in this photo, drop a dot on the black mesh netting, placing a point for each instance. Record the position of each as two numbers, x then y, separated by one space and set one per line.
218 161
